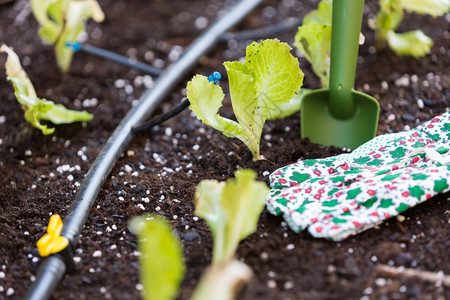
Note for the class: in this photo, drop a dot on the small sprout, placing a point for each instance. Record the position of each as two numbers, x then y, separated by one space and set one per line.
413 43
313 40
62 22
52 242
37 109
231 210
269 77
161 260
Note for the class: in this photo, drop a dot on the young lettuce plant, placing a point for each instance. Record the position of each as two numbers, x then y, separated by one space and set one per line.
412 43
269 77
313 40
37 109
62 22
161 260
231 209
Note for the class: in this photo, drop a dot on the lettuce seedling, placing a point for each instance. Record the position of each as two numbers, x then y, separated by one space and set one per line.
313 40
412 43
269 76
161 260
231 209
62 21
37 109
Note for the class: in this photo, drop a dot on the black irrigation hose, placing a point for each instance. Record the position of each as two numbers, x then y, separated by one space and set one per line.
281 27
289 24
159 119
109 55
52 268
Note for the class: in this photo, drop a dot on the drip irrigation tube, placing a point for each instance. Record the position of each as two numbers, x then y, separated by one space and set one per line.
160 119
53 268
263 32
252 34
114 57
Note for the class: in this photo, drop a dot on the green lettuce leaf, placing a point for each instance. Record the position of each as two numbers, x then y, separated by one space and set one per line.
413 43
231 209
322 14
285 110
390 15
62 21
37 109
313 40
161 261
270 76
433 8
45 13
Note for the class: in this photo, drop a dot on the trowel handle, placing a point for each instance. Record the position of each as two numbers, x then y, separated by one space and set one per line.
346 26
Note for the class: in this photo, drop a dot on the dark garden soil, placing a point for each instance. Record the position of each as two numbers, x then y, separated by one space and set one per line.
158 173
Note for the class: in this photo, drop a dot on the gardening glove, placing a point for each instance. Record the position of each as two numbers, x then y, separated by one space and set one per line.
343 195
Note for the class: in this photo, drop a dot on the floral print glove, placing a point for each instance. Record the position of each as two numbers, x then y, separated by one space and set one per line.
340 196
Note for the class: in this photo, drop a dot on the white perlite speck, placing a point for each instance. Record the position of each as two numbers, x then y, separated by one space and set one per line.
264 256
201 23
120 83
10 292
2 275
288 285
402 81
90 102
271 284
420 103
380 281
97 253
127 168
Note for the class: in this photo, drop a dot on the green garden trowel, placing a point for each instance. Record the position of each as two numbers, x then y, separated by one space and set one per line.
339 115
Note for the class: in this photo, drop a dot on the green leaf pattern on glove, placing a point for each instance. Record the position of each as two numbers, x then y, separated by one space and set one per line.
343 195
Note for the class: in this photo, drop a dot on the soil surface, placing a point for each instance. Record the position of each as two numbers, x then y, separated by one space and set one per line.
158 173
